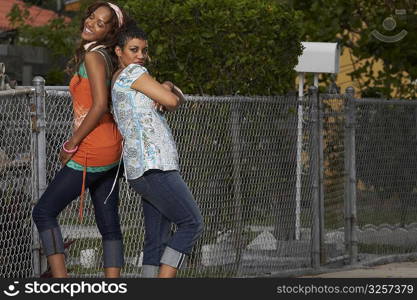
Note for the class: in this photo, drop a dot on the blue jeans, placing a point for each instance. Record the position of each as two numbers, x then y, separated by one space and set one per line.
166 200
64 188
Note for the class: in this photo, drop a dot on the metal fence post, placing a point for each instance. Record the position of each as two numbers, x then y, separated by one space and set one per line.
351 240
299 157
237 184
323 253
347 160
38 160
314 169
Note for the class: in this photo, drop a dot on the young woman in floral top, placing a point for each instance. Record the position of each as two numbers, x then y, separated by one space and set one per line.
150 158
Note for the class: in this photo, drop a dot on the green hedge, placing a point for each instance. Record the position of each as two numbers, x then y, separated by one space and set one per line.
215 47
221 47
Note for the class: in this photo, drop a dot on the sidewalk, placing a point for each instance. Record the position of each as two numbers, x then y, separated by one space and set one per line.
392 270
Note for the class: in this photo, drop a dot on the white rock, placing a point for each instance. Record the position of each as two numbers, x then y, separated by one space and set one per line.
224 236
264 241
217 254
334 236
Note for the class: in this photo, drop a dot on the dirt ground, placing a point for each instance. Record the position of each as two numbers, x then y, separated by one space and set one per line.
392 270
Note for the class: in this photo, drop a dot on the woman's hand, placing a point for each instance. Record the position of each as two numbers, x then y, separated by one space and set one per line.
174 89
159 107
64 157
168 85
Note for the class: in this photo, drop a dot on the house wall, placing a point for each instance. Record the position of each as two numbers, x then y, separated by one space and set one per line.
24 62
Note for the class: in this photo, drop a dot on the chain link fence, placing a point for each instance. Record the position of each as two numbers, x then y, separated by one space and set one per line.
237 156
386 143
369 177
15 184
332 154
285 185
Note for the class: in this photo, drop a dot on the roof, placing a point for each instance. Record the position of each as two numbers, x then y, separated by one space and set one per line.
38 16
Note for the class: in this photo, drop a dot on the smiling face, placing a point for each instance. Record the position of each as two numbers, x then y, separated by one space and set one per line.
135 51
97 24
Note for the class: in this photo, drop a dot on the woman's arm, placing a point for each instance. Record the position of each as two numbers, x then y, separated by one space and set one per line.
96 71
172 88
176 90
157 92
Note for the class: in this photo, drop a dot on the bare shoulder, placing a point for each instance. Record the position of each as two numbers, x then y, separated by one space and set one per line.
93 57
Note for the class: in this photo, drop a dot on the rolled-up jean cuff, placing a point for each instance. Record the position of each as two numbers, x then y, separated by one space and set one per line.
173 258
149 271
113 253
52 241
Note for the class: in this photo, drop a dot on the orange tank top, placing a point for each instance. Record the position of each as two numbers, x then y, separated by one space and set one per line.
103 145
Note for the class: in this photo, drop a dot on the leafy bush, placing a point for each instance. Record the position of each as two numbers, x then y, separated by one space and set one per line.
217 47
221 47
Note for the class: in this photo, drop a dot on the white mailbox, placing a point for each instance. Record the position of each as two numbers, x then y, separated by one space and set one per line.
319 58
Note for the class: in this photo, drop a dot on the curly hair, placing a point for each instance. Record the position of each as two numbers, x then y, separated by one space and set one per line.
109 41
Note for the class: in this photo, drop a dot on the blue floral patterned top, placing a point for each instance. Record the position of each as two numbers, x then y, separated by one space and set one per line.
148 141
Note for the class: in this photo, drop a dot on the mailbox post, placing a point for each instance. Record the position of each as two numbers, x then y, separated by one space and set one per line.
316 58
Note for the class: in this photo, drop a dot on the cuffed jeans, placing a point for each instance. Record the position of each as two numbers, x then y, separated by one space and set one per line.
166 200
63 189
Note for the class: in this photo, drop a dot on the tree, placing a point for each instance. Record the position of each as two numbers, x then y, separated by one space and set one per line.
352 23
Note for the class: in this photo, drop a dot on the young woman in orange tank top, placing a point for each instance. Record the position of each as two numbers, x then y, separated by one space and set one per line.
91 155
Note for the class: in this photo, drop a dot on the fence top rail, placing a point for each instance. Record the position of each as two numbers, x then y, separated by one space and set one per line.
327 96
267 99
18 91
262 99
57 88
384 101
